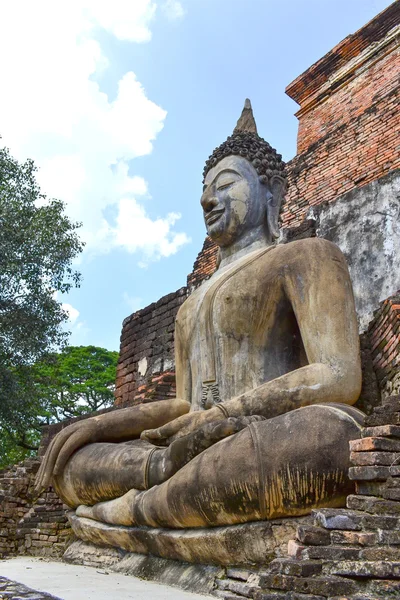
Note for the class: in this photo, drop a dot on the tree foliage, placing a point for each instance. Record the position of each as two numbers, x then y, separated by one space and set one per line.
38 244
73 382
76 381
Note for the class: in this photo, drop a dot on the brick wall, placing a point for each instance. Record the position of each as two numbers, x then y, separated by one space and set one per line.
28 524
352 77
146 363
384 333
204 266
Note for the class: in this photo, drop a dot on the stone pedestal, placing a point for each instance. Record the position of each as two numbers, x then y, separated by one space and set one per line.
253 543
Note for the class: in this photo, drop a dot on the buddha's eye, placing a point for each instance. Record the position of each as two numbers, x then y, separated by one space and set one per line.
224 186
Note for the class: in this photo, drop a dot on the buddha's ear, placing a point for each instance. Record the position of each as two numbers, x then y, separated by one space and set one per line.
275 195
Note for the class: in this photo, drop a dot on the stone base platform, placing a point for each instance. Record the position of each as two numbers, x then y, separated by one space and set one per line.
255 543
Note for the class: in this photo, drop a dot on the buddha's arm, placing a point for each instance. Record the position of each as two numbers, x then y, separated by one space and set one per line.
318 285
116 426
182 366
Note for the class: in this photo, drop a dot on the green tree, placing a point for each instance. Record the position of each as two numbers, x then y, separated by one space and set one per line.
78 380
38 243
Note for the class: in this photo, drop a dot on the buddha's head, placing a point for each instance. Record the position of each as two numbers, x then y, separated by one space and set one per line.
244 184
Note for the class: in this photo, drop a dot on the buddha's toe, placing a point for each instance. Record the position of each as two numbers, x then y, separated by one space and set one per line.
115 512
84 511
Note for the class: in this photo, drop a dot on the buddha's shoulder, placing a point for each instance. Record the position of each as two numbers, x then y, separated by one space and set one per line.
315 250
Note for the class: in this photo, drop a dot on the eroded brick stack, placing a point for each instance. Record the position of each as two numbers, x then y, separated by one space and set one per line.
146 365
349 122
204 266
28 524
351 553
384 333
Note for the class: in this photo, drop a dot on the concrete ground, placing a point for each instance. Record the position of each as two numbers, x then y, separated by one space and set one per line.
72 582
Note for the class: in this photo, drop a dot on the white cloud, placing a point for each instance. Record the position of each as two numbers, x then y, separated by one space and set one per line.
134 302
54 111
73 313
173 9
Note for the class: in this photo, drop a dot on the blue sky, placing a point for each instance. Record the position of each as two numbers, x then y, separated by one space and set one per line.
120 103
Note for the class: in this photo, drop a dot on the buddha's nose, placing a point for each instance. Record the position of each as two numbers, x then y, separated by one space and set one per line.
208 202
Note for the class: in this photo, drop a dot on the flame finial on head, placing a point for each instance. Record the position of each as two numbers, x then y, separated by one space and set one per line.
246 142
246 120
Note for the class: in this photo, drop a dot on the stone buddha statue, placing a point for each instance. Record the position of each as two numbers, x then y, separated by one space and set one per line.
267 371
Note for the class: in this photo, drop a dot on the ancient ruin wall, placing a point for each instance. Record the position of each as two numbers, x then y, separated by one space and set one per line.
146 365
384 333
352 77
30 524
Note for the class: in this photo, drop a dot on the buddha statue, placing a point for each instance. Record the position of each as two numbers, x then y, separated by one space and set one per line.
267 373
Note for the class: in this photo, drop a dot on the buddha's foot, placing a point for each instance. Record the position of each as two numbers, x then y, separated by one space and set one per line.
184 449
115 512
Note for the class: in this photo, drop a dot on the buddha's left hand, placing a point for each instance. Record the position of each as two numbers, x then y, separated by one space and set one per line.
183 425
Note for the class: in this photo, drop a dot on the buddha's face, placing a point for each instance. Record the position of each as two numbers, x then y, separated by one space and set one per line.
233 200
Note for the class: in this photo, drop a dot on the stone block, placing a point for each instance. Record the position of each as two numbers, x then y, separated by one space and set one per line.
325 585
330 553
383 419
389 537
192 577
298 568
373 473
375 458
374 505
379 553
367 444
389 405
313 536
331 518
260 595
354 538
295 550
385 588
246 544
391 431
242 574
237 587
380 522
380 569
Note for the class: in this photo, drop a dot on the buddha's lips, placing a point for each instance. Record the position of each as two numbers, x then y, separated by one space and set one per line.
213 216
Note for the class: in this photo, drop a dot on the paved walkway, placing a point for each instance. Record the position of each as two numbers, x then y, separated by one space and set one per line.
72 582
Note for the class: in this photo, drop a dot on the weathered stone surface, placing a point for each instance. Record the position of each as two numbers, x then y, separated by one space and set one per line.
373 504
325 586
313 536
295 567
374 458
354 538
330 553
338 519
250 543
237 587
12 590
379 569
367 218
366 444
382 431
373 473
196 578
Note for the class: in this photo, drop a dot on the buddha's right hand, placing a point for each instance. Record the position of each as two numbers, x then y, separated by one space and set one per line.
116 426
62 446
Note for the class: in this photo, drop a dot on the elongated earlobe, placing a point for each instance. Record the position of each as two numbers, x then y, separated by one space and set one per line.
275 197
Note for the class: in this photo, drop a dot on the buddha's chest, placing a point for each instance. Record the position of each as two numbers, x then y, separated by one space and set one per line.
239 305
